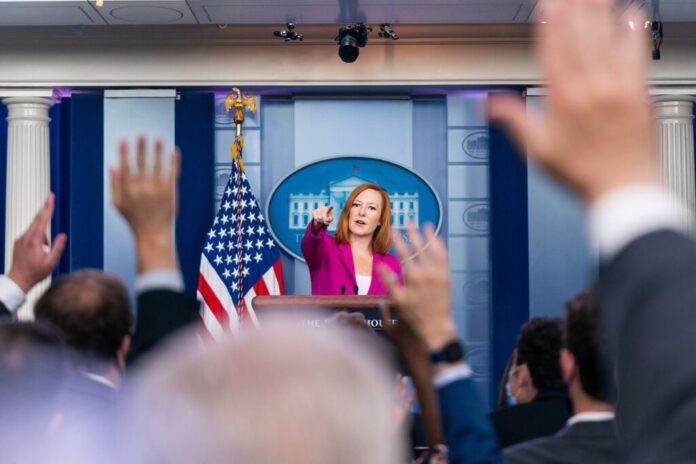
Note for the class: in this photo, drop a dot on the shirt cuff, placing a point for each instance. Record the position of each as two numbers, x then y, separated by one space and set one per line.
627 213
10 294
160 279
452 374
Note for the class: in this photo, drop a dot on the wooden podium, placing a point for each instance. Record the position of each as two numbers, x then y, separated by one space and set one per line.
367 305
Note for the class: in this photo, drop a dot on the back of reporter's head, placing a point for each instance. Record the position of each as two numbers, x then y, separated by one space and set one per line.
538 347
585 341
93 312
281 393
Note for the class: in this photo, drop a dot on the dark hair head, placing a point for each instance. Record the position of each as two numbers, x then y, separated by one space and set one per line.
92 311
584 340
539 346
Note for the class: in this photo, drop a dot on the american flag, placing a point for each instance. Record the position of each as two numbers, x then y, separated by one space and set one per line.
239 261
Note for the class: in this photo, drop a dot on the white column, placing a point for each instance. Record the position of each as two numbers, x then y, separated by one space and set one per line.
675 147
28 175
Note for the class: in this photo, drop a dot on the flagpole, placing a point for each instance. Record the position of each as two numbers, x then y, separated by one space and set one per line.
235 101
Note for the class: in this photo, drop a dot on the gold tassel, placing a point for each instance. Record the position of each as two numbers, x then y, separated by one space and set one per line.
236 149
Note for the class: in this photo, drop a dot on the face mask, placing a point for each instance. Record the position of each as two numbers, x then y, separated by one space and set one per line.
511 399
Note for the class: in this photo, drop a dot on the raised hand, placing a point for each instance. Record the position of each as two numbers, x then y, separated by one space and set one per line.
425 301
147 201
32 258
322 217
596 134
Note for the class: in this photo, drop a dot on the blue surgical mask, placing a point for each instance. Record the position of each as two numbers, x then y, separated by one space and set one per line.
511 399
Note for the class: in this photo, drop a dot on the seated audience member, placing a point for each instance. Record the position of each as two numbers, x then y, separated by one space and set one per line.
282 394
504 397
32 370
424 303
535 382
92 310
590 435
597 137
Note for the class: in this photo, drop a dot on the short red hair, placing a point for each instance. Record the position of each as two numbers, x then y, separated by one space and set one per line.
381 239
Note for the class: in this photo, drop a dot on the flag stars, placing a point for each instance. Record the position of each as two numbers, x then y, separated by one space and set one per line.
250 230
224 219
259 244
211 234
228 191
234 287
270 243
246 258
228 260
226 205
235 273
258 258
218 260
226 274
245 272
208 247
248 244
223 233
251 217
261 230
220 246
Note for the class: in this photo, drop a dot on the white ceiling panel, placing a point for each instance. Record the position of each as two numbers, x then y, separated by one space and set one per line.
327 12
48 13
154 12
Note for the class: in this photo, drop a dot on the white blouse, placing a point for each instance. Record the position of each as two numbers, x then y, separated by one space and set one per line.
363 282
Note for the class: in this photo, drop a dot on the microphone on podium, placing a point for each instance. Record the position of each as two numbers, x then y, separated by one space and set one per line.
343 289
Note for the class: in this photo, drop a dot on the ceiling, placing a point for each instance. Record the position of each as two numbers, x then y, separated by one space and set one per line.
260 12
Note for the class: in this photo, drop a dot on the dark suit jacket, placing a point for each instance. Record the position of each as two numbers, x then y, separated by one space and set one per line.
468 430
648 300
4 312
581 443
545 415
160 313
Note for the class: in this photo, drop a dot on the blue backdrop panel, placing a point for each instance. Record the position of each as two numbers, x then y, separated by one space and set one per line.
195 136
509 250
77 164
3 182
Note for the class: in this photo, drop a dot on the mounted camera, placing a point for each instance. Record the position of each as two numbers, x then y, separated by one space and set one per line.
350 39
289 33
386 31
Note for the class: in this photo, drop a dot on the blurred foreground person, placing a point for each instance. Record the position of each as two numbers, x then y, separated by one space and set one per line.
597 138
281 394
590 435
32 370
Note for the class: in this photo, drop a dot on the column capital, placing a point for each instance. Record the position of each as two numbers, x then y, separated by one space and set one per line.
30 93
674 107
29 109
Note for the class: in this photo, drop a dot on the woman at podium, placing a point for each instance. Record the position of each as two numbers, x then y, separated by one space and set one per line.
346 264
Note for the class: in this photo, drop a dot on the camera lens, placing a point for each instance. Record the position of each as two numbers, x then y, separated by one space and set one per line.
348 48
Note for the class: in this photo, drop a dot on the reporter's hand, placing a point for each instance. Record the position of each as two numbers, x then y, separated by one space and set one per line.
32 258
147 202
322 217
425 301
596 134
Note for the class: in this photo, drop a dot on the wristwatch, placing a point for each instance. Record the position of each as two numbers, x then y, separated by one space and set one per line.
452 352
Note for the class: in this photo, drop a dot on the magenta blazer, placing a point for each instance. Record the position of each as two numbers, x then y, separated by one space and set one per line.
331 265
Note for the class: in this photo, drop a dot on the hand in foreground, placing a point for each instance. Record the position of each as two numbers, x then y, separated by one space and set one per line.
322 217
425 301
147 202
597 133
32 258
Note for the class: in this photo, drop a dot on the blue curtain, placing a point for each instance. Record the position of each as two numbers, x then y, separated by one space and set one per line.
195 136
509 252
